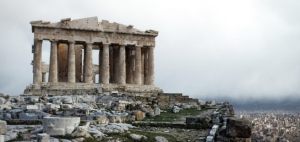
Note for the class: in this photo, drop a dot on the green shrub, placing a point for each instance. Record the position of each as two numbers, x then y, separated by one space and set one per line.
18 138
67 136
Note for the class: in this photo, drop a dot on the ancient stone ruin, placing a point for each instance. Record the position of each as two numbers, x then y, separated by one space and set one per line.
126 56
126 61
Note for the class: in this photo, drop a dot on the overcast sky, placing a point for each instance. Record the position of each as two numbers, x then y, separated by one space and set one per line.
242 49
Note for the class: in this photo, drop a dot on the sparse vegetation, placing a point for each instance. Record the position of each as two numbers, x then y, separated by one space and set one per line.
67 136
90 140
169 116
18 138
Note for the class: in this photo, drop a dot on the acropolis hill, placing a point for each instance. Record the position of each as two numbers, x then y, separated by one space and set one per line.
122 105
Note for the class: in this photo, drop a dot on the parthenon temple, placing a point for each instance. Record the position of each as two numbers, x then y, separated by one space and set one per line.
125 61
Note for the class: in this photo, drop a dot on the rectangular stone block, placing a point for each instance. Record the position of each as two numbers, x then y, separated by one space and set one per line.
27 116
3 127
31 107
2 138
43 137
50 106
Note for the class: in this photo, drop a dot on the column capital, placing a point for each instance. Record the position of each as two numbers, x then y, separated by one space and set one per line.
89 43
123 44
53 40
106 44
151 47
139 46
71 41
38 40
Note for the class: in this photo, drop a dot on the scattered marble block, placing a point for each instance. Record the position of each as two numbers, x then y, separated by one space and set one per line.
43 137
176 109
81 130
27 116
137 137
60 126
2 101
160 139
157 111
209 139
30 107
50 106
3 127
66 106
67 100
1 138
40 106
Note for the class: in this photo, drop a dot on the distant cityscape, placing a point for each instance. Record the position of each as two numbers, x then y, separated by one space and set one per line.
272 125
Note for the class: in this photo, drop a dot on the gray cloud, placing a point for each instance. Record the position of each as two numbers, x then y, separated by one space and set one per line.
244 49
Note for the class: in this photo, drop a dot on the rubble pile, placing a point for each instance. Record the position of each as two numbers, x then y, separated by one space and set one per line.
98 116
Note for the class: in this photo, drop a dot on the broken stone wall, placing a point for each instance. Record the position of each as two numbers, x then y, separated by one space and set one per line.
166 99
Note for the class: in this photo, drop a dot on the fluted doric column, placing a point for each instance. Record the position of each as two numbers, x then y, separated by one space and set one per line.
122 65
151 77
105 63
53 62
88 72
138 65
71 63
37 63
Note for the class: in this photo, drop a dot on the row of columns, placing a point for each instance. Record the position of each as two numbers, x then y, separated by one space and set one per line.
104 68
120 71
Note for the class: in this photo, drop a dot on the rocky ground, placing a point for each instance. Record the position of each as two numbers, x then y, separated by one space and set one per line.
90 118
168 115
183 135
113 133
121 131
